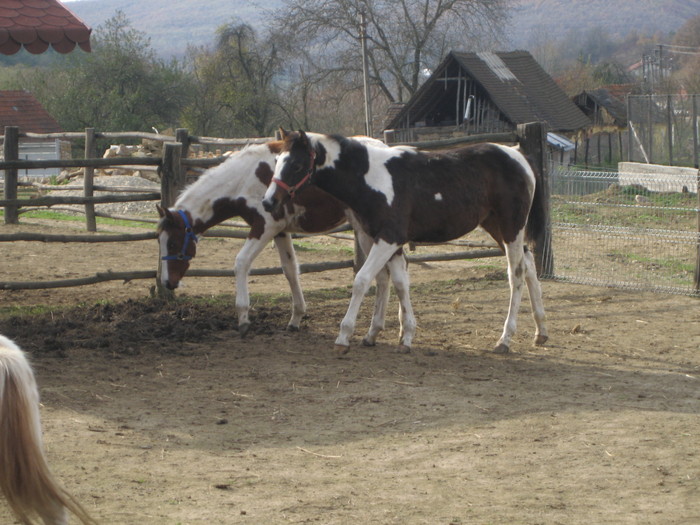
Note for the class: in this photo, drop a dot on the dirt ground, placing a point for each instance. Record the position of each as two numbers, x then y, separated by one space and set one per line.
161 414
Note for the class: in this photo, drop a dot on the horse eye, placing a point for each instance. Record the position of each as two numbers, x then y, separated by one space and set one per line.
296 167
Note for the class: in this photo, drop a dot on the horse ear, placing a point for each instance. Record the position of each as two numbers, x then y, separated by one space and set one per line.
164 212
303 137
283 133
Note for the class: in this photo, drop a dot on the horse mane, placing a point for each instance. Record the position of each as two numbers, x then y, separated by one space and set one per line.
218 176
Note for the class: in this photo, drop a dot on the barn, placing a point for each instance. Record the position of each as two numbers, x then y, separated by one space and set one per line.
20 108
485 92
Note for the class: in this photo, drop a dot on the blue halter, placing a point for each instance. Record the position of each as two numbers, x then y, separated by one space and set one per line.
189 236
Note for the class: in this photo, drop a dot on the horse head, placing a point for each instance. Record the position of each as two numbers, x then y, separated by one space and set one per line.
295 166
178 245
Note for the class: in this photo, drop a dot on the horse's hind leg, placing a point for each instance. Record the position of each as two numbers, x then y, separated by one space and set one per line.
288 260
535 291
400 277
517 269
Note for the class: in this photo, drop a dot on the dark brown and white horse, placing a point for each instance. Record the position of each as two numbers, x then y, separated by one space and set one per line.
235 188
25 477
402 195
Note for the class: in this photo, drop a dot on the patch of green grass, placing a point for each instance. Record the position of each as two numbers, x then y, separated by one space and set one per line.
22 311
58 216
311 246
674 266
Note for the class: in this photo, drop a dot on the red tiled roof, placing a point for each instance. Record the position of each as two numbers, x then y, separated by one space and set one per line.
38 24
20 108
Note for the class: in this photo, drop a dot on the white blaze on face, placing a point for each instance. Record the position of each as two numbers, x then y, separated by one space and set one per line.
438 197
281 161
163 241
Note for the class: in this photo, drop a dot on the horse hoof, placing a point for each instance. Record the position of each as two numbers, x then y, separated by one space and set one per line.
243 329
342 349
368 342
501 349
403 349
541 339
292 328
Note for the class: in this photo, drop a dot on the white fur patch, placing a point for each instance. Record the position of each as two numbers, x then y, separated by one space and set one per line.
438 196
378 178
163 241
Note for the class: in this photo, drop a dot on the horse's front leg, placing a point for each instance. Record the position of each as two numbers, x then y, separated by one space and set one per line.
378 256
290 268
382 297
244 260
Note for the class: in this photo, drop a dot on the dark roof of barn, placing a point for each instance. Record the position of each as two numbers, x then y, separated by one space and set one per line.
516 84
38 24
612 98
21 109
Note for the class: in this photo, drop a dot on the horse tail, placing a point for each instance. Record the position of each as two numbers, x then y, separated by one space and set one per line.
25 477
537 218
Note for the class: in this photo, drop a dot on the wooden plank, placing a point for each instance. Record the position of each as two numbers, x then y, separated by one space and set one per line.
51 201
79 163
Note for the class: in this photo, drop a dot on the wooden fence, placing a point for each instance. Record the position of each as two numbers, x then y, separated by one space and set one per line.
172 166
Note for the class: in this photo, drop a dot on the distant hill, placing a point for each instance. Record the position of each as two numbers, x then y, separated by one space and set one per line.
617 17
172 24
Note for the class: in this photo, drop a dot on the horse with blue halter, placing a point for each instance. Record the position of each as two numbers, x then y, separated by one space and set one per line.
400 194
235 188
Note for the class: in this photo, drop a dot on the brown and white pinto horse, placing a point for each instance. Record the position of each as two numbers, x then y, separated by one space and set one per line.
25 478
401 195
236 188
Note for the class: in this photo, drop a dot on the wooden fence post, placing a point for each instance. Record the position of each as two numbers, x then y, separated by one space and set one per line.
172 178
11 151
88 180
183 137
172 181
533 140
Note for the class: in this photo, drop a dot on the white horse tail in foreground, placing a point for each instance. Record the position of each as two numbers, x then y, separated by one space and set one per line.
26 481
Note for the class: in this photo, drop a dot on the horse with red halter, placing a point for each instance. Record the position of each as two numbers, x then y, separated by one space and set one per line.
401 195
236 188
25 477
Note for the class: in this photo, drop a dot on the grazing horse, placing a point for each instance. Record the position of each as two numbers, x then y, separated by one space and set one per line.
402 195
25 478
236 188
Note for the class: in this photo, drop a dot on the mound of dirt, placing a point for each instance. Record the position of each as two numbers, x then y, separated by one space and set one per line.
126 327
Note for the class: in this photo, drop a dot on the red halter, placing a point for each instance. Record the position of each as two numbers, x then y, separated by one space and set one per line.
291 190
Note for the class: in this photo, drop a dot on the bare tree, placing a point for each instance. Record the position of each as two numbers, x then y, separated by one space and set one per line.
405 37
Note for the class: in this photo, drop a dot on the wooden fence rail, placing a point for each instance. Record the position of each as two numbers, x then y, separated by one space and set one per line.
172 166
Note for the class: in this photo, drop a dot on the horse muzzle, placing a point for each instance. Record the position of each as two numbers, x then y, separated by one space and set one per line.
272 204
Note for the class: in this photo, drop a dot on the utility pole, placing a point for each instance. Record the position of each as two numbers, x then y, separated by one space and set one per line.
365 74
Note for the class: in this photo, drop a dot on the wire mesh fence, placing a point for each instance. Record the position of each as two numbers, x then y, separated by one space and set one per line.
625 229
663 129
